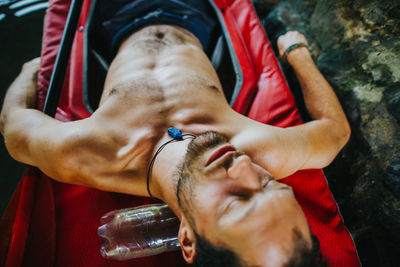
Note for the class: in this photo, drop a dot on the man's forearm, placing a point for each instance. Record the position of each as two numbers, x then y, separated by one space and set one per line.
319 97
18 116
326 135
321 102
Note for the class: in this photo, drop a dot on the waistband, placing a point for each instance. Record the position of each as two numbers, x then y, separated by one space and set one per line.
131 16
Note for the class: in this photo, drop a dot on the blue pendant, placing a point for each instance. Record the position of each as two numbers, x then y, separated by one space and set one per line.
175 133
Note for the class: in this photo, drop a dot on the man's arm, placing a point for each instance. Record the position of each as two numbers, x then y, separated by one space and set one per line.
330 130
313 144
60 150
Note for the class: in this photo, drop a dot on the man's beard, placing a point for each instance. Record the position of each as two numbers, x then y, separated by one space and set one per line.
191 167
187 169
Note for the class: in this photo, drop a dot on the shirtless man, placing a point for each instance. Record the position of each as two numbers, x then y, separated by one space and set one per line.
226 180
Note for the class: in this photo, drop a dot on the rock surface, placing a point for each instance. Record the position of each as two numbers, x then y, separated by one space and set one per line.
356 45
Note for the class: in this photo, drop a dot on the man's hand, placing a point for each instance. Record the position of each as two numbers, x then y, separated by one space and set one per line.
291 38
22 92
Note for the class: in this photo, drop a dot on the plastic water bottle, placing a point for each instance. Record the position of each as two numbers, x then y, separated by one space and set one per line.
138 232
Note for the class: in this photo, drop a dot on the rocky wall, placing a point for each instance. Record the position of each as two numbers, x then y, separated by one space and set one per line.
356 45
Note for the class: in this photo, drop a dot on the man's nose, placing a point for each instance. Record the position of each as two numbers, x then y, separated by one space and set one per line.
242 172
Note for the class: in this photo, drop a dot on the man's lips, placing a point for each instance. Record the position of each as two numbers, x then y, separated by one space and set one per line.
220 152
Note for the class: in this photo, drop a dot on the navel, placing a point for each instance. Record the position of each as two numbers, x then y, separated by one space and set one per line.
160 35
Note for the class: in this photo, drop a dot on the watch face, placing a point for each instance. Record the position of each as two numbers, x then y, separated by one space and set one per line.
21 28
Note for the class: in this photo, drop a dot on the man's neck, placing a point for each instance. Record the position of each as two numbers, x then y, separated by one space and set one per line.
164 176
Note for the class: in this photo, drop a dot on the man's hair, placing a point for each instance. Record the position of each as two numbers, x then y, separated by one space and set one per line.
208 255
303 256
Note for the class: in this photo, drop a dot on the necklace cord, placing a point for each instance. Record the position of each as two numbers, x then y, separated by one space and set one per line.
154 158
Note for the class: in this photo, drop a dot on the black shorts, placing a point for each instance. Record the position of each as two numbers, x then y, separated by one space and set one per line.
120 18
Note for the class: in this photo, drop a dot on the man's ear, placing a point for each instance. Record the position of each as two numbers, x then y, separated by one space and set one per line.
187 240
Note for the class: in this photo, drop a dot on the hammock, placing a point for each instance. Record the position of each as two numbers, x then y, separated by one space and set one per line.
48 223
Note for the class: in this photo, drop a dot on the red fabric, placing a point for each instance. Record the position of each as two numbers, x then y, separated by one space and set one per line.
53 27
273 103
312 193
28 224
49 223
13 238
77 218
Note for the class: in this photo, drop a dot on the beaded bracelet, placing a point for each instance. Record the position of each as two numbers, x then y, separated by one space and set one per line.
292 47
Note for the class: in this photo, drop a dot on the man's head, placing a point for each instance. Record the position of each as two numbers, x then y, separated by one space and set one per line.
235 206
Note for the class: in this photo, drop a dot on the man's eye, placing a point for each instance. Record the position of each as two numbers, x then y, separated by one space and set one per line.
264 183
243 196
238 200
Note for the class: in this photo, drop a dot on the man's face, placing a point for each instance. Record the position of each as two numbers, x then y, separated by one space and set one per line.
237 204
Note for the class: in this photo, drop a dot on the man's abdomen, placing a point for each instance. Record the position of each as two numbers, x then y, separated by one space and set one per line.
165 58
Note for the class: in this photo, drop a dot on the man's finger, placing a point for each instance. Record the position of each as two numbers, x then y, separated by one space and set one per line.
32 65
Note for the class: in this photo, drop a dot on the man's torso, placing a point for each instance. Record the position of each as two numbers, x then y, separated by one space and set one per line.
160 78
